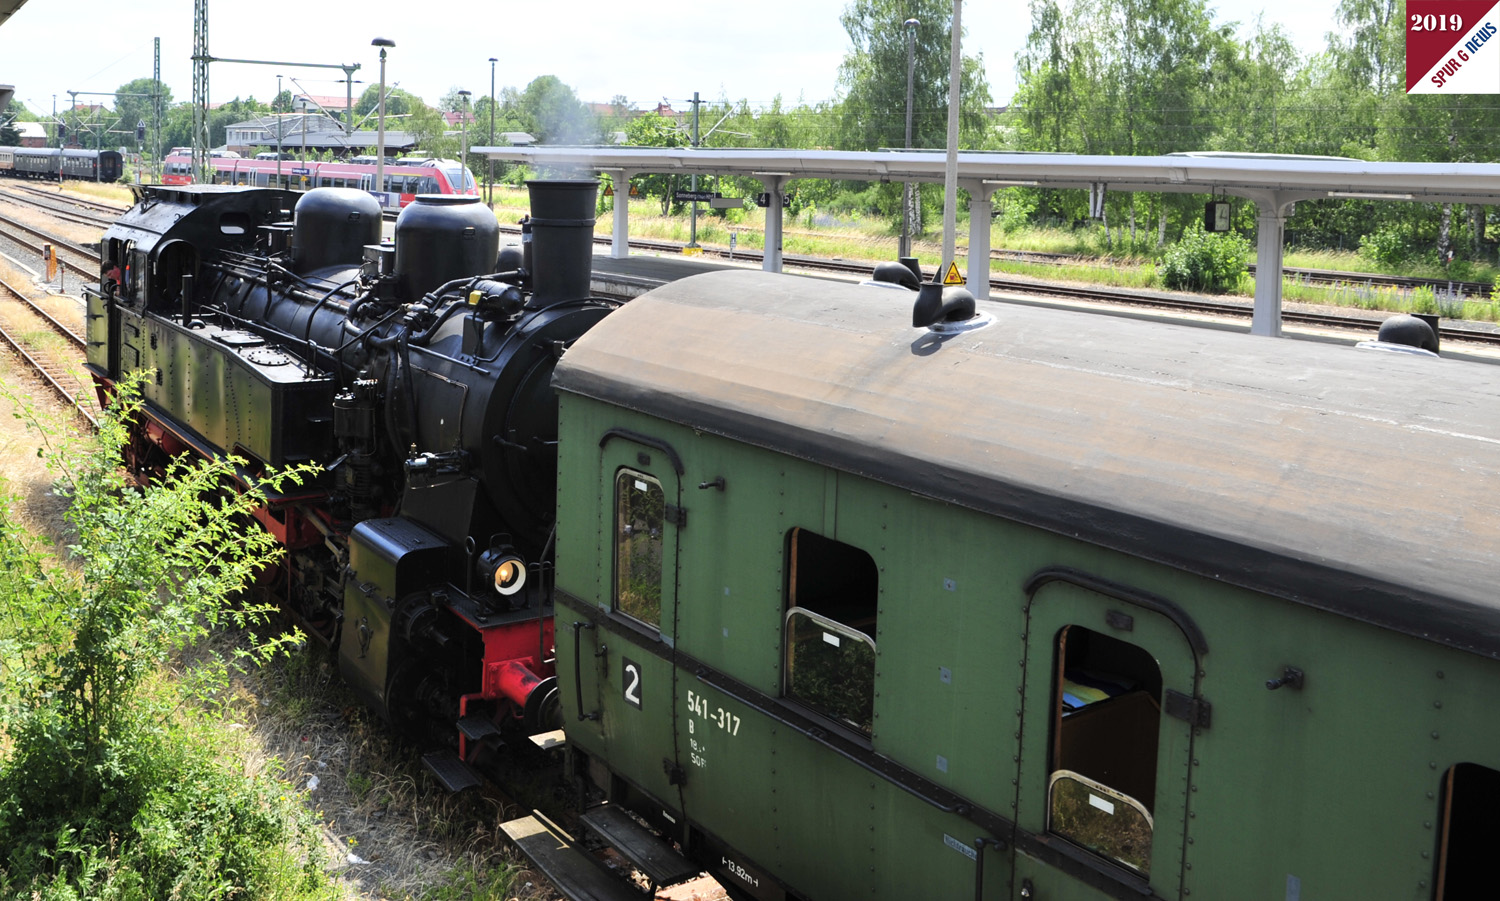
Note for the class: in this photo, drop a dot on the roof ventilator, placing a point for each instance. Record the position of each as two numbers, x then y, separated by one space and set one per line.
946 310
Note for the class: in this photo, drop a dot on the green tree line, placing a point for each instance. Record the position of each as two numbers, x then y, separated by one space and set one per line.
1096 76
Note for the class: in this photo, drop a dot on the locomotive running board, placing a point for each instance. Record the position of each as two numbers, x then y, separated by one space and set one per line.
451 770
554 852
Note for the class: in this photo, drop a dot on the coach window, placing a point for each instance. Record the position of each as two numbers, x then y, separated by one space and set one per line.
832 600
1102 791
1465 864
640 520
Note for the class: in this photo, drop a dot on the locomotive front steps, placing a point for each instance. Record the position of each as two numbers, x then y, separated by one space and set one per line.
558 856
451 770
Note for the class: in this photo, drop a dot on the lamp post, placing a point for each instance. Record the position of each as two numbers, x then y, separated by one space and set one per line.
911 67
463 144
489 169
279 120
302 124
382 43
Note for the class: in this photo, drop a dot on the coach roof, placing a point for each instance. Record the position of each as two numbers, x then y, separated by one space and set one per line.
1349 480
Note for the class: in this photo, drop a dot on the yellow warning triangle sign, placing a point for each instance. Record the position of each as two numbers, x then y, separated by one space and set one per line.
951 276
609 190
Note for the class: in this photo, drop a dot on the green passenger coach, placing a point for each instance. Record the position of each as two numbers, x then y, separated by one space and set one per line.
1062 606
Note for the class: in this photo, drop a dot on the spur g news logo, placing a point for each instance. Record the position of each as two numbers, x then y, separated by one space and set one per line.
1453 46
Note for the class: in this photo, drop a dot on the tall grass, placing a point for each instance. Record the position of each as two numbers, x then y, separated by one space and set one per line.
1384 299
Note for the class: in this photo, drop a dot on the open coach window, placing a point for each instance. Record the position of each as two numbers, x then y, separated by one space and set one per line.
640 518
832 598
1466 846
1102 789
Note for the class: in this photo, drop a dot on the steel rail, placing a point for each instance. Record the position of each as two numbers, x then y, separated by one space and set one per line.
69 198
68 265
61 328
73 399
1177 303
64 243
57 212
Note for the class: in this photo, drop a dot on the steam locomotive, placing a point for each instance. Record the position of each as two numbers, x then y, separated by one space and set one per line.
281 329
861 593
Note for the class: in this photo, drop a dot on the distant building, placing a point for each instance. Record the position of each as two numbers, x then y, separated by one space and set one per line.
329 104
33 134
315 131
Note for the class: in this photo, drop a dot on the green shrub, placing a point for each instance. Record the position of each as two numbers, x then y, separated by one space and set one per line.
107 789
1201 261
1389 246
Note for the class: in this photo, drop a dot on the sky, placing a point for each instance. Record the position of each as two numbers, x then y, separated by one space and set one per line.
660 49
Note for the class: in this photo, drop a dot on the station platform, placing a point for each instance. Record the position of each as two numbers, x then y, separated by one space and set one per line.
640 272
636 274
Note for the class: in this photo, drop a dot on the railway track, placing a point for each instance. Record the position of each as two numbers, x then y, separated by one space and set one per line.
32 239
1180 303
89 218
1304 275
32 333
1174 302
81 202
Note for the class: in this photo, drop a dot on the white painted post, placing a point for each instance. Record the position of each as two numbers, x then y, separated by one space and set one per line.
775 183
619 242
1271 228
981 205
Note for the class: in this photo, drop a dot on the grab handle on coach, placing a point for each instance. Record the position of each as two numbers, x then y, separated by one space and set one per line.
578 669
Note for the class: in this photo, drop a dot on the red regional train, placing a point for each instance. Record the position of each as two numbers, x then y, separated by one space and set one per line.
404 179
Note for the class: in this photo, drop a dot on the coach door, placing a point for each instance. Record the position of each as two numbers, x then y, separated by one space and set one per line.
1109 711
627 677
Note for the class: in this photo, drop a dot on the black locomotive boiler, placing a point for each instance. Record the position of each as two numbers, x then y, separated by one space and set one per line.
281 329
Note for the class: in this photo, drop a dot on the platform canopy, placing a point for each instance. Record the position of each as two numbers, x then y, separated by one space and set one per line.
1273 182
9 6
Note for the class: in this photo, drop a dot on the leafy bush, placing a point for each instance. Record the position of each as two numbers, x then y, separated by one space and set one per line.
106 789
1202 261
1390 245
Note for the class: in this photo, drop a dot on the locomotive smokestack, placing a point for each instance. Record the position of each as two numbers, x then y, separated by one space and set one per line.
562 239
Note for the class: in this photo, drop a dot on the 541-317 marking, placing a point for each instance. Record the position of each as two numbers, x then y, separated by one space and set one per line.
698 706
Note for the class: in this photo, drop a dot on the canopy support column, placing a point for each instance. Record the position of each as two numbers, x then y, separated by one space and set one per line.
1274 207
775 183
981 208
619 242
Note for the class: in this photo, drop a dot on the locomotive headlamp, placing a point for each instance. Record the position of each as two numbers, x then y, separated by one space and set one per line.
510 576
504 568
